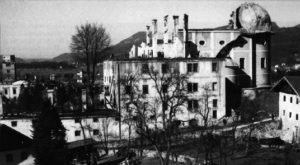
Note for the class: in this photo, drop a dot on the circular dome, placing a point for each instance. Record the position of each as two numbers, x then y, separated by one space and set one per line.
253 18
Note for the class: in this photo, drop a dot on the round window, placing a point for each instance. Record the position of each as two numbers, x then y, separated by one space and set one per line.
222 42
202 42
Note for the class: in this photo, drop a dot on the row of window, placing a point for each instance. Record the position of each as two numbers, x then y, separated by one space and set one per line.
191 67
10 157
95 132
222 42
291 99
191 87
15 123
107 79
14 91
262 63
290 115
95 120
194 104
202 42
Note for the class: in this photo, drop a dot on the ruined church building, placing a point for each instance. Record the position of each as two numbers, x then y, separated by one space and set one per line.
234 60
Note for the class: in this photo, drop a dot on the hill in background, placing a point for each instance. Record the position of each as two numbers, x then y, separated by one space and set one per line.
285 44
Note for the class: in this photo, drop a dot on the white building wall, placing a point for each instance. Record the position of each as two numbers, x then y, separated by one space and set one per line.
108 73
286 107
24 126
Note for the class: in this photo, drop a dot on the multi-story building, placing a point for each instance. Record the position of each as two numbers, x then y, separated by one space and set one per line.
235 61
9 69
288 101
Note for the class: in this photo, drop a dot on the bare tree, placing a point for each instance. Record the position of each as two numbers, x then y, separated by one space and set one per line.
204 111
171 90
89 45
132 99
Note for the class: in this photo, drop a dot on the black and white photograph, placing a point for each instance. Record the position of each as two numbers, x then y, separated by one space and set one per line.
142 82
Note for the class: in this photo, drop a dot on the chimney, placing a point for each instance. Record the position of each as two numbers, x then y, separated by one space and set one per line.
154 37
176 21
185 33
166 36
148 35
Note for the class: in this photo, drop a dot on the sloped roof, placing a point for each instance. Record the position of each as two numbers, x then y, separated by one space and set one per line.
80 143
292 81
20 82
11 139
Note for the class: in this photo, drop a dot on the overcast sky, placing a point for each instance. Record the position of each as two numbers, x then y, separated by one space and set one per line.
43 29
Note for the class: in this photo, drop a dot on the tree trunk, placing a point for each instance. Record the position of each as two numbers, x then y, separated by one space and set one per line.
87 157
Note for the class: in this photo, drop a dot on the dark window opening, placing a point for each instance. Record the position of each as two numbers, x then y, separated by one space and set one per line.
192 87
283 98
283 112
214 67
215 103
95 120
242 63
128 89
14 123
297 101
222 42
214 86
189 67
145 68
6 91
193 104
296 116
202 42
290 114
192 67
214 114
77 133
165 106
291 99
164 88
14 91
263 62
164 68
95 132
145 89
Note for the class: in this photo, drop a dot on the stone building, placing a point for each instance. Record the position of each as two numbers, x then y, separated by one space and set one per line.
234 60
